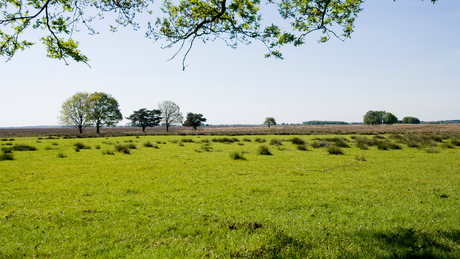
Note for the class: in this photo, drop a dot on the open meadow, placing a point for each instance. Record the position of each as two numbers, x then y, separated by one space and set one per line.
244 196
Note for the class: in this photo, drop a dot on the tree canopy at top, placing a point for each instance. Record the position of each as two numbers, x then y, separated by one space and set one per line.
181 22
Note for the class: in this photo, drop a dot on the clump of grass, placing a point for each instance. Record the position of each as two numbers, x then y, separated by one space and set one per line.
335 150
7 150
455 142
205 141
148 144
187 140
79 146
108 152
264 150
225 140
98 146
276 142
55 144
174 141
447 145
125 149
235 155
6 156
8 144
4 139
297 141
131 146
432 150
260 140
247 140
320 144
360 158
302 147
61 155
23 148
206 147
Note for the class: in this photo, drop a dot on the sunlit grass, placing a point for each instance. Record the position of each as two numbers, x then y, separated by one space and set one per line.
189 199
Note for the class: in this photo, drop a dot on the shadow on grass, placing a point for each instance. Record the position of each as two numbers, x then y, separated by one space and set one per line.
278 245
412 243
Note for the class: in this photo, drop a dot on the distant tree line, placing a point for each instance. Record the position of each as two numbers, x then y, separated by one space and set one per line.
84 110
323 122
383 117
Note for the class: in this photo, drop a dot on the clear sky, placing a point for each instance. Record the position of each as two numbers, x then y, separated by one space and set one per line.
404 58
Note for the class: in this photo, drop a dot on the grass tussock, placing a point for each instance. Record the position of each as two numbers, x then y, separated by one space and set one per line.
125 149
297 141
335 150
276 142
225 140
235 155
23 147
6 156
264 150
79 145
260 140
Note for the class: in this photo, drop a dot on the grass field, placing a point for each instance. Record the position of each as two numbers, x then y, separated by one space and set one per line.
217 197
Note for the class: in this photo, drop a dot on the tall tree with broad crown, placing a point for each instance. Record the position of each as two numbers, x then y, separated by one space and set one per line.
194 120
145 118
171 113
182 22
75 112
103 110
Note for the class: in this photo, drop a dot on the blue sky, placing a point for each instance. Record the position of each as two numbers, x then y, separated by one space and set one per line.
404 57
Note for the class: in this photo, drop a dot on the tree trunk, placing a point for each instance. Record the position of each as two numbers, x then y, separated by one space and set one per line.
194 127
97 129
268 125
80 128
143 129
167 126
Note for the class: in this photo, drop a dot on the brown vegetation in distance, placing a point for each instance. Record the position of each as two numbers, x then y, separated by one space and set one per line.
237 130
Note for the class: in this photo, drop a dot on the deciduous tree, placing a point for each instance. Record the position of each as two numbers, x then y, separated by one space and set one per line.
145 118
379 117
182 22
269 121
410 120
103 110
171 113
74 112
194 120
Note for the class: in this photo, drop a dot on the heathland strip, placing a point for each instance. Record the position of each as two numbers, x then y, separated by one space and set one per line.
236 130
187 197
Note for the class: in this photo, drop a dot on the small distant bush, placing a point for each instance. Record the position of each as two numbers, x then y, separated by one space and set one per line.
235 155
264 150
23 148
6 156
379 137
276 142
334 150
260 140
4 139
61 155
247 140
108 152
8 144
297 141
302 147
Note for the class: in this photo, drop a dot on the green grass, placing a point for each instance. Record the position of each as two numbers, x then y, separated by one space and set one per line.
176 202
